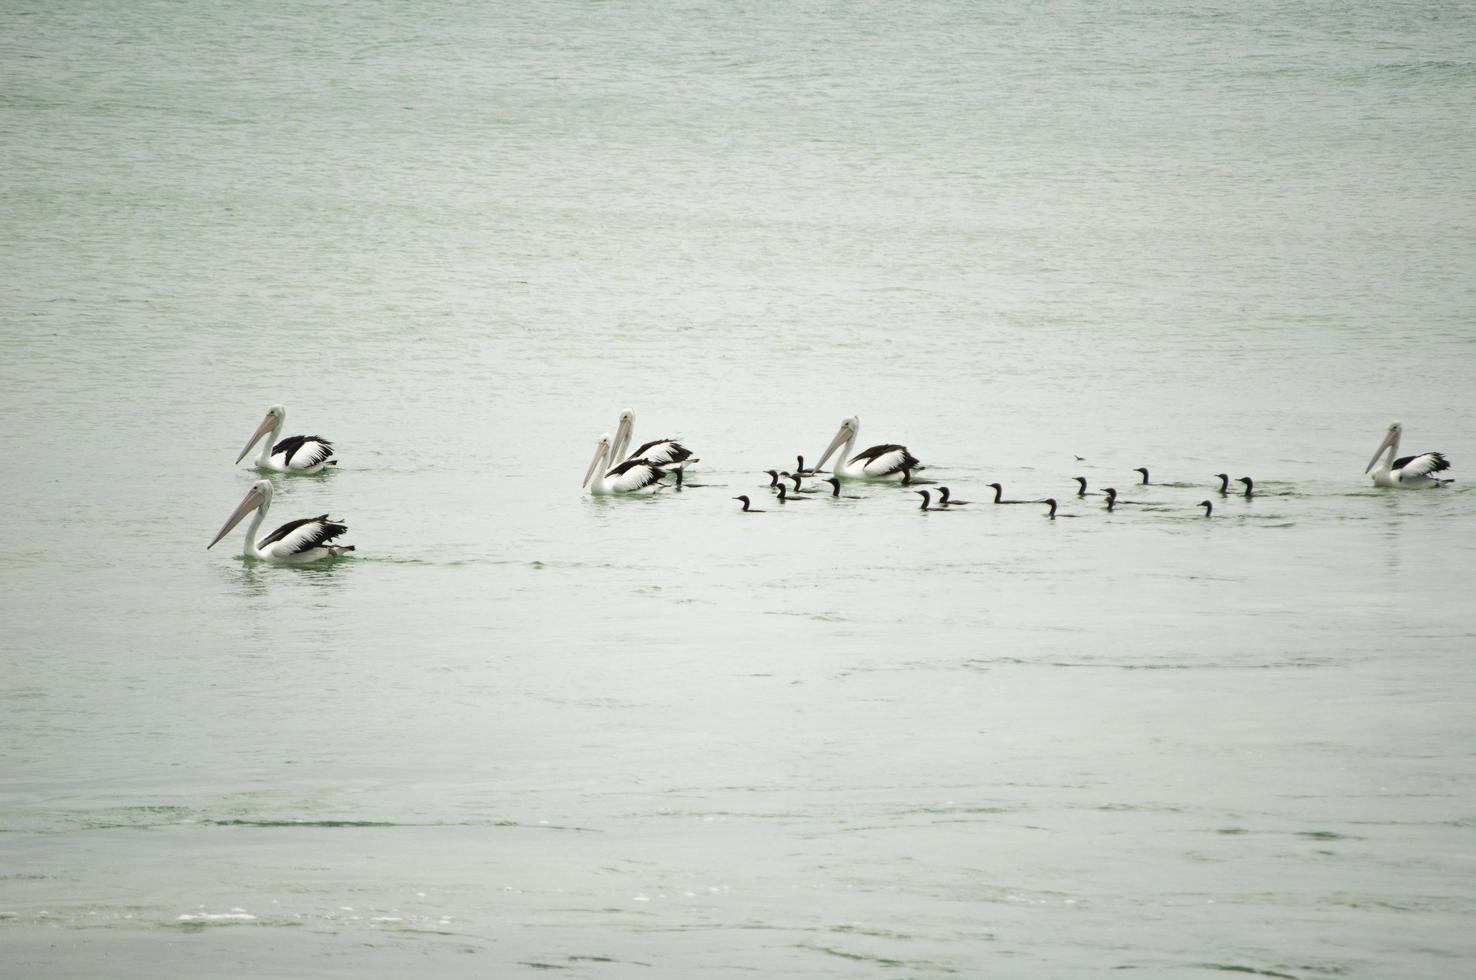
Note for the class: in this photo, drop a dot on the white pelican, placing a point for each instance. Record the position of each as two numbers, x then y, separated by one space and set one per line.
1410 472
628 477
296 542
877 463
295 454
665 453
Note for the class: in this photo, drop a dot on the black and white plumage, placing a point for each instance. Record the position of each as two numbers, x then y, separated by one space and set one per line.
627 477
888 461
1407 472
669 454
296 542
293 454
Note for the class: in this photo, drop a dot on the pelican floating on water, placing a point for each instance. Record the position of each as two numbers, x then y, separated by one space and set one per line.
1409 472
628 477
296 542
884 462
665 453
294 454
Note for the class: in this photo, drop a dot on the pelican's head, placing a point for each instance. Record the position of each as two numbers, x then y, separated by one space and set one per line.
848 429
602 449
623 430
1391 439
274 419
258 497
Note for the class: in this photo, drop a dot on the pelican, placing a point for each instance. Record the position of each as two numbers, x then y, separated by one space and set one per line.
665 453
943 500
295 454
628 477
1410 472
1224 479
1250 486
747 509
1144 471
1209 508
999 493
296 542
835 489
883 462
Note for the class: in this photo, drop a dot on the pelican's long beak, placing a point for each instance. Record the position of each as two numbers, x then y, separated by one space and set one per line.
250 502
600 451
840 438
622 438
261 430
1388 441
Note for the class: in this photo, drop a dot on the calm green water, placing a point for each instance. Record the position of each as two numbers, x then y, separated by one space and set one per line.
527 729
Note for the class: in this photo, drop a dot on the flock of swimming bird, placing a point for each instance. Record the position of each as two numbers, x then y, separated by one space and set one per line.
614 470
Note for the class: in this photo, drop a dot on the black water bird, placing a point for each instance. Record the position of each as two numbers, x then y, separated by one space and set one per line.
1111 493
746 508
800 468
784 497
998 496
1082 489
945 501
773 478
926 499
1250 486
796 479
1052 512
1144 471
1224 479
835 486
1209 508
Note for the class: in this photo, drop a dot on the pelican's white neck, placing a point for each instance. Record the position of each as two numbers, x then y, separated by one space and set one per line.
263 458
